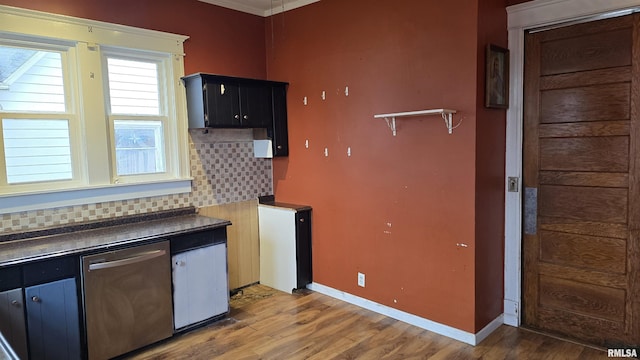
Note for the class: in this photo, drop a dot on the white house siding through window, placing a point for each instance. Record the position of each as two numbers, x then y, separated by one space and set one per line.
35 148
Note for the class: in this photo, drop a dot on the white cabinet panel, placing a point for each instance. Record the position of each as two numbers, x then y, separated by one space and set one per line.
200 285
277 247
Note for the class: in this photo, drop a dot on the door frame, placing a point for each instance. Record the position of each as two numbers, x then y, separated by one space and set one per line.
520 18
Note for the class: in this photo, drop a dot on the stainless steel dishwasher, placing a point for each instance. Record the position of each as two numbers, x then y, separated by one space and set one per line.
127 299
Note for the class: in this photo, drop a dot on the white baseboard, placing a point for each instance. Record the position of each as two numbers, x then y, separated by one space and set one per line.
511 310
441 329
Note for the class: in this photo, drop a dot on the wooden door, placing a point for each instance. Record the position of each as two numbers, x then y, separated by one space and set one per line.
581 178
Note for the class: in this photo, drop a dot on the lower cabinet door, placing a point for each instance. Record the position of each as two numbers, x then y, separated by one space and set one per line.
12 324
200 285
52 320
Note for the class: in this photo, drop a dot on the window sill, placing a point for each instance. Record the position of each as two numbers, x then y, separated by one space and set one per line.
11 203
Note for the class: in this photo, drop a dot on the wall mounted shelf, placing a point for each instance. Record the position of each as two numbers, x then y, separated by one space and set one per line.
445 113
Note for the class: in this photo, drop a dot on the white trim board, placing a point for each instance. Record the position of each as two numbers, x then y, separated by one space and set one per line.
271 8
441 329
522 17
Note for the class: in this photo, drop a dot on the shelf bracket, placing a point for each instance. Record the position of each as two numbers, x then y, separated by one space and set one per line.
448 121
392 124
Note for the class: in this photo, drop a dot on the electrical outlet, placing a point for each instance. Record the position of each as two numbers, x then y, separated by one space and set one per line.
360 279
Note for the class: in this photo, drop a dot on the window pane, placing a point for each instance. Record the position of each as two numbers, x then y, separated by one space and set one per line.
133 87
36 150
31 80
139 147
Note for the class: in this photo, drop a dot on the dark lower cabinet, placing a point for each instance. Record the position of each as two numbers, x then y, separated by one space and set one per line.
42 318
303 248
12 324
52 320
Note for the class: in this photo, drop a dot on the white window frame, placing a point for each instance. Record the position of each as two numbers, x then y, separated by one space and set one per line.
165 71
95 181
68 62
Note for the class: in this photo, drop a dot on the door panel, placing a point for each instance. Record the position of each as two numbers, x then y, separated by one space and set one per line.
586 51
592 153
591 103
590 252
585 299
606 205
580 262
594 128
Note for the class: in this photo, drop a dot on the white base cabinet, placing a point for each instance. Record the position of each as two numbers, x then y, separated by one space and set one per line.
285 246
200 285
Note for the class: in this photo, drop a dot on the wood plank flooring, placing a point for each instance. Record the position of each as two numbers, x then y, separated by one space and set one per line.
314 326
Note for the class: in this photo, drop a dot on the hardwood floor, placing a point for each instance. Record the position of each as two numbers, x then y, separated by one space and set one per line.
315 326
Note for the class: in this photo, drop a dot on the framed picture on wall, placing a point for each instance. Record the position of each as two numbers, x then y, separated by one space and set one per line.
497 77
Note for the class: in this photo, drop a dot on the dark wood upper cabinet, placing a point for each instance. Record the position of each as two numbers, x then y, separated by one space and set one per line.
217 101
279 132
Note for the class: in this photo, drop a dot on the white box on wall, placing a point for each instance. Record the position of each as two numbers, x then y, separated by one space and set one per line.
262 149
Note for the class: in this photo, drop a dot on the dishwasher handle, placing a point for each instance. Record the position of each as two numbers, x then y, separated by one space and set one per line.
127 261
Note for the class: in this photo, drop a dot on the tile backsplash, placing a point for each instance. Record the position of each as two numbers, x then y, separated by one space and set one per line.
223 168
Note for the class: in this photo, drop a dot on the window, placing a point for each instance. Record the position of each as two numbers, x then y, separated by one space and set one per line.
36 122
139 147
136 115
88 112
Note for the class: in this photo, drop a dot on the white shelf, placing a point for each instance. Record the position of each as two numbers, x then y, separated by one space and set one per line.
445 113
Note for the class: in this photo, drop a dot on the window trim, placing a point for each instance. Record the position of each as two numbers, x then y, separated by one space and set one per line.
165 72
48 199
85 37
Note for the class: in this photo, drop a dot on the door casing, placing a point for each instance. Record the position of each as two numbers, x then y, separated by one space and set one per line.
532 15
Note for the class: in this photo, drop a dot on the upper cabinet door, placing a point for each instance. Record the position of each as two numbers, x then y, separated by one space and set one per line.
256 105
279 132
222 107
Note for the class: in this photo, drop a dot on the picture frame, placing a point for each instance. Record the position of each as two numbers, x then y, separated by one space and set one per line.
497 77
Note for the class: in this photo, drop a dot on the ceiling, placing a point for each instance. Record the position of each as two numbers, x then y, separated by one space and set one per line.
261 7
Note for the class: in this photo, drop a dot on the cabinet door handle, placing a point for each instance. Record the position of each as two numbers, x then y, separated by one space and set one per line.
279 146
15 303
127 261
237 117
35 299
245 117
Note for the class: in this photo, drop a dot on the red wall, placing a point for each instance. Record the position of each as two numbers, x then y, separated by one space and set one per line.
399 207
490 174
221 40
394 56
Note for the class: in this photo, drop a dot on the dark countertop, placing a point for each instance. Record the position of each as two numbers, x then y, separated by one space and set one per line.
102 238
20 248
269 200
293 207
